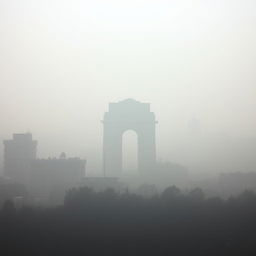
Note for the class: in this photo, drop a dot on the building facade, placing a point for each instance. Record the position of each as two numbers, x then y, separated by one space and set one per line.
18 154
51 178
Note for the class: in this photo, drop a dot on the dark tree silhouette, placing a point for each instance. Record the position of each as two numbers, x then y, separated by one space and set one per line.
110 223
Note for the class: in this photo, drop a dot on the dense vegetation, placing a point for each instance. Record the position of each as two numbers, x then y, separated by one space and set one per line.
109 223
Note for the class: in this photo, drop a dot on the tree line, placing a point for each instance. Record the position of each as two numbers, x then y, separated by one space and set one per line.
112 223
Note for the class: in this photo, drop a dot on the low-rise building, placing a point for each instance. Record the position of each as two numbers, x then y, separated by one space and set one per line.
51 178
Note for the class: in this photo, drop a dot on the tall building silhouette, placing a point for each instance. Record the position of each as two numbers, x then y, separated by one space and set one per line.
18 154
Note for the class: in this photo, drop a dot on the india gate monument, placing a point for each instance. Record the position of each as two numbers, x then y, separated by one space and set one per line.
122 116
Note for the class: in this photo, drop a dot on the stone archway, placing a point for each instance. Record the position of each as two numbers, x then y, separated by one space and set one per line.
122 116
130 152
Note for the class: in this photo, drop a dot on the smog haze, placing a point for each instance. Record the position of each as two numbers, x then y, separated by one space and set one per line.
62 62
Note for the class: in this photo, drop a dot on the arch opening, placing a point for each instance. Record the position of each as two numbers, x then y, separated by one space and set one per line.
130 152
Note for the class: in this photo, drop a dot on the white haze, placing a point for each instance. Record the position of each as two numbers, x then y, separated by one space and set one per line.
63 61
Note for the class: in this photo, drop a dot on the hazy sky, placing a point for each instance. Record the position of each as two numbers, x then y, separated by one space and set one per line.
63 61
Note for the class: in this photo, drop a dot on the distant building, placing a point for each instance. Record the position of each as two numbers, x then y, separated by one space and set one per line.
50 178
46 179
18 154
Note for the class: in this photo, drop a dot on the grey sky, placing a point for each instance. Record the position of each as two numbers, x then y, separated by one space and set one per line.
62 61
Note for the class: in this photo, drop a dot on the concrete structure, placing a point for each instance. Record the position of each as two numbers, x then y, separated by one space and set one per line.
50 178
122 116
18 154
